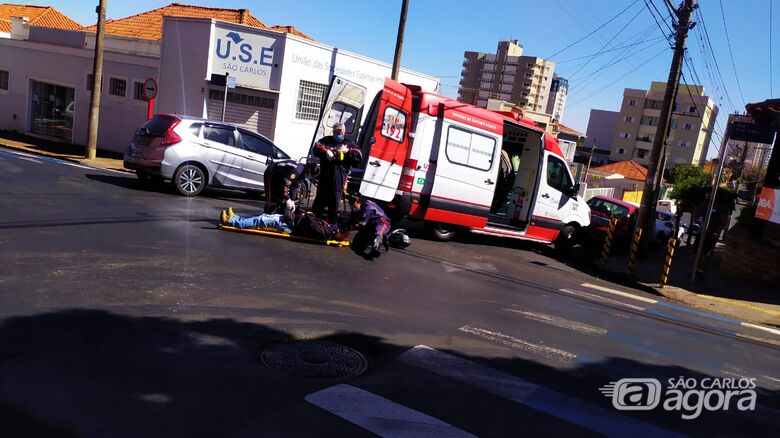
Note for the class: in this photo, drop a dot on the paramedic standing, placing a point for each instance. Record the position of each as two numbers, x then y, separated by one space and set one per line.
337 156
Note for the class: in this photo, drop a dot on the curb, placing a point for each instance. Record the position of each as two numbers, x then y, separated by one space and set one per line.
624 280
70 159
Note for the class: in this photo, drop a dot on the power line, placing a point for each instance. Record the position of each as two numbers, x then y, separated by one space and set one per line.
621 77
594 31
607 51
731 53
660 15
598 72
714 58
607 44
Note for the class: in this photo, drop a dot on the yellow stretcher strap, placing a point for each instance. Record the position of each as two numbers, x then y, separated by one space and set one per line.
337 243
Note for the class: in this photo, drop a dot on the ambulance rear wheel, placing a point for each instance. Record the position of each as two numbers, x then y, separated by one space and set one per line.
440 231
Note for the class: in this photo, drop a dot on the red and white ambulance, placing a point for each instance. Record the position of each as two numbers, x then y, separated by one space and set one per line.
457 166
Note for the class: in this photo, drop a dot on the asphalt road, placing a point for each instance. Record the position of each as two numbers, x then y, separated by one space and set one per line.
126 312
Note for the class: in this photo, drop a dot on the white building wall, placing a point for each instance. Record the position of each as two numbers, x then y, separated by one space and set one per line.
314 62
67 64
189 57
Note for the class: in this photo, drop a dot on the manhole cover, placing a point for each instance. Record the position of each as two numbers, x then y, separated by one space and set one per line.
319 360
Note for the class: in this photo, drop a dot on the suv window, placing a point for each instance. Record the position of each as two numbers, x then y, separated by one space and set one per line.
195 129
159 125
557 177
220 134
256 144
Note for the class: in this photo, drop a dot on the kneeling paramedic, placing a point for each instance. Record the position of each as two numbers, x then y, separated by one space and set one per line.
283 180
373 226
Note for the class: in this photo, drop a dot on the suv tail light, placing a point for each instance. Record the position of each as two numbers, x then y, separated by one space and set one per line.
171 138
407 175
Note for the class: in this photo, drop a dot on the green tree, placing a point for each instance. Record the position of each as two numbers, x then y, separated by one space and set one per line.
691 185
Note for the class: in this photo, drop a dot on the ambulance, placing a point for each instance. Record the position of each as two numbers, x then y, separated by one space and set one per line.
457 167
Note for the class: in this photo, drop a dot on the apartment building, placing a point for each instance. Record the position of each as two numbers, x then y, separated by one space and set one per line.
693 119
506 75
559 88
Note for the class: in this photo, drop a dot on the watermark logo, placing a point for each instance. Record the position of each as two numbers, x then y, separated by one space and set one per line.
634 394
689 396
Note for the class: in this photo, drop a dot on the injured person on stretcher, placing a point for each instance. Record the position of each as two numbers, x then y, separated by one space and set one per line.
298 223
367 217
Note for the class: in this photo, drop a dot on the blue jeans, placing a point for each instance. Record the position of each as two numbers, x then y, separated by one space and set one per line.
274 221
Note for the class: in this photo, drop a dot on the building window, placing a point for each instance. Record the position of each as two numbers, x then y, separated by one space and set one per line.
640 153
688 127
645 138
649 121
311 97
631 102
4 79
673 124
628 119
693 110
117 87
684 144
621 151
138 91
625 135
653 104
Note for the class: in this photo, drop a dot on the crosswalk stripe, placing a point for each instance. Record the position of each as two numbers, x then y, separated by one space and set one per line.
520 344
595 418
594 297
380 415
29 159
619 293
557 321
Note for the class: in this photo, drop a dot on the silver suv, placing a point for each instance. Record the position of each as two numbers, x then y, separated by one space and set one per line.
195 153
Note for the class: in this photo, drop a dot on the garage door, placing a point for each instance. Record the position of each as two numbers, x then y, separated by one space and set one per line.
252 110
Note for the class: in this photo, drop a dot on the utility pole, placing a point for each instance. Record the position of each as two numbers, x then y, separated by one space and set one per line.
590 158
97 82
654 172
399 40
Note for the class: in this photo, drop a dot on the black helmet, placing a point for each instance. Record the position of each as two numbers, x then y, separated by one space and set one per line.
398 239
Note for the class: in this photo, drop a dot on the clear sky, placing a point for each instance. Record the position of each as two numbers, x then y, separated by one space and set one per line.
438 32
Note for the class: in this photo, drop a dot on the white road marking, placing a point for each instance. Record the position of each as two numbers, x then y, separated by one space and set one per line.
561 322
29 159
760 327
595 297
736 371
520 344
621 293
380 415
608 422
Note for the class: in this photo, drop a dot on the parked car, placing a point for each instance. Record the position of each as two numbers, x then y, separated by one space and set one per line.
195 153
602 208
666 205
664 227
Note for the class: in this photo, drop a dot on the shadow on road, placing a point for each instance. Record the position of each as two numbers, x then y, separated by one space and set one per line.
131 182
91 372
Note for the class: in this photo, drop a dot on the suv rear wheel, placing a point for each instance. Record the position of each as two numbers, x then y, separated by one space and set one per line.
189 179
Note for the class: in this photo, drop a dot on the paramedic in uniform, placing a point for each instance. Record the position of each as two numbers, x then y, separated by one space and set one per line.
337 156
283 181
372 223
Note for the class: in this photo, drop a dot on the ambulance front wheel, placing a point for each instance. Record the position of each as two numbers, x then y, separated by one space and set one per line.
566 240
440 231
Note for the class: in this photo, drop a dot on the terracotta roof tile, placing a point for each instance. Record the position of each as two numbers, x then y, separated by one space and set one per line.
629 169
291 30
44 16
148 25
564 128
